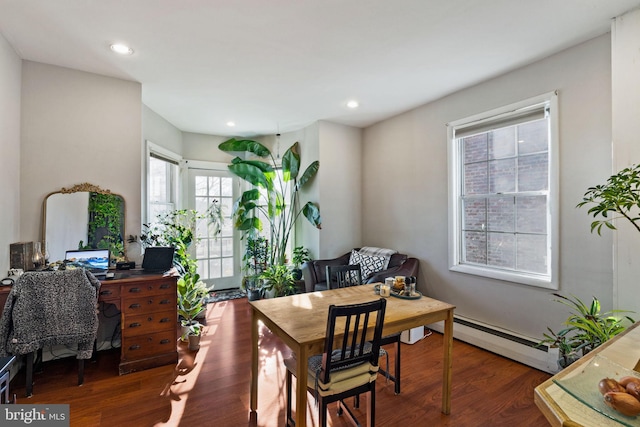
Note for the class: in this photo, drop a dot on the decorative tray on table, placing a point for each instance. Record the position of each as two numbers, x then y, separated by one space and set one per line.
583 385
415 295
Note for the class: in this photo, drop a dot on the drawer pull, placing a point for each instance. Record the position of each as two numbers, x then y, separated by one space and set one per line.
149 319
134 306
165 301
134 347
134 290
164 341
106 292
165 286
164 320
135 325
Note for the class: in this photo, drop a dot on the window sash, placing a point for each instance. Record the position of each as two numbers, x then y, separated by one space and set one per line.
535 246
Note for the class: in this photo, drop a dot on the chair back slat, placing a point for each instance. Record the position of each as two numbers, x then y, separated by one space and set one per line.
342 276
354 347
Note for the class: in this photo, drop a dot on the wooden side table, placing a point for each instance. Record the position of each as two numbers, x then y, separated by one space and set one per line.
5 378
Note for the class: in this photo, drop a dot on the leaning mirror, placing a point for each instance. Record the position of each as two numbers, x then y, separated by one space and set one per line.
84 216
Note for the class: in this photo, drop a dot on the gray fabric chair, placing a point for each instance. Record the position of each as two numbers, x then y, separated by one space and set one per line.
349 365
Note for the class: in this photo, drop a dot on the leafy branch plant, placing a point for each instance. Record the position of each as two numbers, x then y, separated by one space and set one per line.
620 195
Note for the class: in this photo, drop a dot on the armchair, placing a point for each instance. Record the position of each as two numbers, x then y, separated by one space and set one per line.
314 272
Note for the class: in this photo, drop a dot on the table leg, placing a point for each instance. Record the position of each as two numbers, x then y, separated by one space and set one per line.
448 363
254 362
301 386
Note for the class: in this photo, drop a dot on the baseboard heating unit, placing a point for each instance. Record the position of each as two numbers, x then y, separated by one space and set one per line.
503 342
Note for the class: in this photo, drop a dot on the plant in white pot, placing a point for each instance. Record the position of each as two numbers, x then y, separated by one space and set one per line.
190 304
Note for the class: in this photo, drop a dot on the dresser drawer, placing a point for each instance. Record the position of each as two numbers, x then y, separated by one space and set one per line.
149 323
141 346
109 293
148 304
160 287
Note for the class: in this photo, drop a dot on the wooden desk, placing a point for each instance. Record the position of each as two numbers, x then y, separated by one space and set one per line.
300 321
562 409
148 317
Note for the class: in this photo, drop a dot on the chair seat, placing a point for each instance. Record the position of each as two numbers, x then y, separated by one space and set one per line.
341 379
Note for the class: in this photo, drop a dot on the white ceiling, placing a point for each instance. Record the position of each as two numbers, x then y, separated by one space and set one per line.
278 65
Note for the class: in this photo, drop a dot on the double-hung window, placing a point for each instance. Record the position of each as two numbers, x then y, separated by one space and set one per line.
503 193
163 172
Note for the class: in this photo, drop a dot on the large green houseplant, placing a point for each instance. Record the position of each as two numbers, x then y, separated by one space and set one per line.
272 196
278 279
178 229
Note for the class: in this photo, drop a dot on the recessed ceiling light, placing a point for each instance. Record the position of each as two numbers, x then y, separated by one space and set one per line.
122 49
353 104
231 124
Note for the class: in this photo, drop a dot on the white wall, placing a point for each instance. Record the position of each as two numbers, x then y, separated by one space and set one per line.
626 151
405 188
10 83
78 127
159 131
340 185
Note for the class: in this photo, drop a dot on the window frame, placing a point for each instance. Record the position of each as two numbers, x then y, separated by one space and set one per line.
176 184
455 182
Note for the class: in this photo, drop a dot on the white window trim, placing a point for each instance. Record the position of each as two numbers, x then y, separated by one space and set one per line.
455 226
151 147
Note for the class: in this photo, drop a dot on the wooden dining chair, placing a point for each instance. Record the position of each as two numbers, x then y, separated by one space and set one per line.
348 366
340 276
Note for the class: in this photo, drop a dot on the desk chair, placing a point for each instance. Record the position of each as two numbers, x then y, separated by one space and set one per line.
340 276
50 308
349 364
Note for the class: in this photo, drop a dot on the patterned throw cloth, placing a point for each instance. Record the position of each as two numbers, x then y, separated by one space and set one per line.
371 260
58 307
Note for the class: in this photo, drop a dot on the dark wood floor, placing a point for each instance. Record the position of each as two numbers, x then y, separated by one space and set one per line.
212 385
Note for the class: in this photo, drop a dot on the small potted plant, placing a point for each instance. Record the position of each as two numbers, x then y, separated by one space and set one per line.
278 280
194 333
190 305
300 256
586 328
254 263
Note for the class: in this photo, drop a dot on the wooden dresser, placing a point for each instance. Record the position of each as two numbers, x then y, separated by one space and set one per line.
148 317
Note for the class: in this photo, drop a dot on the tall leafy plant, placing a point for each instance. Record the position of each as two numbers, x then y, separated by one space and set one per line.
274 195
619 197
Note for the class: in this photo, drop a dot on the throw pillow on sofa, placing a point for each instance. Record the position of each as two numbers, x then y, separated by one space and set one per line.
369 264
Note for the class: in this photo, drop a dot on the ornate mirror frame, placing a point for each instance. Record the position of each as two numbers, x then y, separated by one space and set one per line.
100 213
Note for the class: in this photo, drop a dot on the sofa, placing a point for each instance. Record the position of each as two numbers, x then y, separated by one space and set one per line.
314 272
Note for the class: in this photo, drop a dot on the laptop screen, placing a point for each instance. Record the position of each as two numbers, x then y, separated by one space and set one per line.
94 260
158 259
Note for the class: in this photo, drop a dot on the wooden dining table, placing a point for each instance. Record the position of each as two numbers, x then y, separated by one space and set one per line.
300 322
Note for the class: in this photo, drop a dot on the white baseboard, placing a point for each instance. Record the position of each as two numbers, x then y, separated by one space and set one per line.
503 342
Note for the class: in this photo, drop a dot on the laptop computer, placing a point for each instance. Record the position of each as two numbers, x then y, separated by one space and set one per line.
94 260
157 259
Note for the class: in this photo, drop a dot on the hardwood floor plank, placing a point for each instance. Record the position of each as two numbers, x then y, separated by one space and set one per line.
212 385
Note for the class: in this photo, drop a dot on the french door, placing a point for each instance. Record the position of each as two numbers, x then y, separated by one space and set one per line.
218 256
